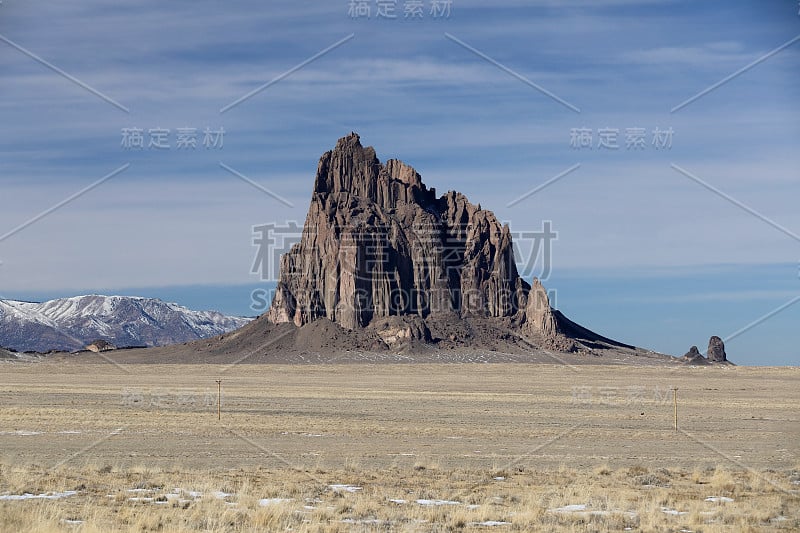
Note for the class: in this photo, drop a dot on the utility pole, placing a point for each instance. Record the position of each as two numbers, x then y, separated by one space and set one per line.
675 402
219 400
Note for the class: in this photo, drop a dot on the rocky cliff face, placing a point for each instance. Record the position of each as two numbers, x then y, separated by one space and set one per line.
377 243
539 316
380 250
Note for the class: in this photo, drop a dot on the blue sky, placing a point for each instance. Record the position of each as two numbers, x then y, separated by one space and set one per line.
644 254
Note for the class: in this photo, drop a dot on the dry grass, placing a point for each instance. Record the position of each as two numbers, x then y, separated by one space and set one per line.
509 443
145 499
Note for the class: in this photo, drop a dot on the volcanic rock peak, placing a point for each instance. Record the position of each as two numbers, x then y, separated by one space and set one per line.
378 244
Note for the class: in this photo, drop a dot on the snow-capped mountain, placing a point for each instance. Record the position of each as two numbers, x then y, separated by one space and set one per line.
72 323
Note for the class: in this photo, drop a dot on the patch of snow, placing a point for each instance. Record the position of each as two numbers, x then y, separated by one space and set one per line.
581 508
673 512
44 496
344 488
500 478
721 499
491 523
398 501
72 522
96 316
274 501
569 508
438 502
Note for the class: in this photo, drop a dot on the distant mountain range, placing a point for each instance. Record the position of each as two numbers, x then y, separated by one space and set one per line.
71 324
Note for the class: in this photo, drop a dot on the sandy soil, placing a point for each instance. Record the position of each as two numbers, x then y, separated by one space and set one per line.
377 415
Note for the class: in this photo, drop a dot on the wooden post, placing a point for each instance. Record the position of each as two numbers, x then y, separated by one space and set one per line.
219 399
675 401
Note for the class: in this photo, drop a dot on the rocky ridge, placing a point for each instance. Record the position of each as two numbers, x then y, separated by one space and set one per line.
70 324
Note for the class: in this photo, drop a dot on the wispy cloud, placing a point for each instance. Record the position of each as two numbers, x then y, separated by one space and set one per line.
714 55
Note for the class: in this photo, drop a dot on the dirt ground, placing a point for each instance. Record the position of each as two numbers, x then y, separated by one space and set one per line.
474 419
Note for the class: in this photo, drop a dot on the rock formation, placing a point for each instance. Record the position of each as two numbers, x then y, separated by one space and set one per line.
379 250
377 243
539 316
716 350
100 346
693 356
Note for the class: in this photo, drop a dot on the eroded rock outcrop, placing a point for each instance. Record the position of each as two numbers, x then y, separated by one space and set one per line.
380 250
716 350
693 356
539 317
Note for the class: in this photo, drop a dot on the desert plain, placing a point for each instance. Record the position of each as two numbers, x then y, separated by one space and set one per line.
94 446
